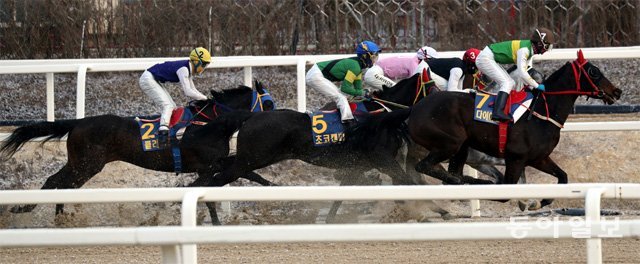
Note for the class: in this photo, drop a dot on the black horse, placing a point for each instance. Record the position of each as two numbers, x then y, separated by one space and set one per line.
443 124
271 137
95 141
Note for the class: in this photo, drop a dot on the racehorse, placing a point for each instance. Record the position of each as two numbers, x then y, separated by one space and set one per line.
444 124
270 137
95 141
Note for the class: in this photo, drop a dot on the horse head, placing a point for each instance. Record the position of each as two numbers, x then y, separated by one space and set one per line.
244 98
407 91
587 80
262 100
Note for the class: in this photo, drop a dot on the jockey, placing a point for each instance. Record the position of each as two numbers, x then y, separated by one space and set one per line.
391 68
348 71
519 52
448 73
153 79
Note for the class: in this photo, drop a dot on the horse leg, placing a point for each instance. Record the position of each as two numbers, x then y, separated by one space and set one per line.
456 163
257 178
431 166
52 182
547 165
69 177
229 175
513 172
345 180
400 177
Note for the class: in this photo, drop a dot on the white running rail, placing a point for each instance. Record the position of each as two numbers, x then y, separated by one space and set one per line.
178 242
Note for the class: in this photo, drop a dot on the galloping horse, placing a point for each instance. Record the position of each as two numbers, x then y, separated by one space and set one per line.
444 124
95 141
270 137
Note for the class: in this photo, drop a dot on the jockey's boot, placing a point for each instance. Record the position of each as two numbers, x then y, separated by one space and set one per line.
163 136
498 108
349 123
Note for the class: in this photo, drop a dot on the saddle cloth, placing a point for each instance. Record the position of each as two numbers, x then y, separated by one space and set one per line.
327 128
180 119
518 103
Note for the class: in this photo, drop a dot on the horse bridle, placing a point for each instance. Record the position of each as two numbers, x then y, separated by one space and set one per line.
258 100
578 70
420 90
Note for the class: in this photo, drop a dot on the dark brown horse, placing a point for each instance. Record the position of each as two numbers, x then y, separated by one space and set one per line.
95 141
444 124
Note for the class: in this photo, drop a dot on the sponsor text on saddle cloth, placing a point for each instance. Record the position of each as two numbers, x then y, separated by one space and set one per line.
326 128
517 104
180 118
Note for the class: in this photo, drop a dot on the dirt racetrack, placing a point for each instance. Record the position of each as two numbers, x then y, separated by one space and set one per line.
490 251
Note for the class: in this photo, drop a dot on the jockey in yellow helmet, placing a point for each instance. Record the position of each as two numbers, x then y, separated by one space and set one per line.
153 79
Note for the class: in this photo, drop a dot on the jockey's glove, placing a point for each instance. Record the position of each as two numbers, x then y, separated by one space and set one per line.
540 87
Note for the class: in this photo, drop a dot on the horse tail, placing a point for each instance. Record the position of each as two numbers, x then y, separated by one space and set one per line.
21 135
378 129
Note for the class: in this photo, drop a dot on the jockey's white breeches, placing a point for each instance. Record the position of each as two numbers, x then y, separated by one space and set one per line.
316 80
374 78
487 64
159 95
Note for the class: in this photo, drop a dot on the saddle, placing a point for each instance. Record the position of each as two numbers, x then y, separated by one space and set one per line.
517 104
180 119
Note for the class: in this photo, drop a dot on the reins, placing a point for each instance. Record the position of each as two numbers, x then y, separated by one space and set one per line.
578 70
420 90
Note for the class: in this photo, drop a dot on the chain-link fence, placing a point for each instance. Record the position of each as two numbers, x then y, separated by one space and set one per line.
145 28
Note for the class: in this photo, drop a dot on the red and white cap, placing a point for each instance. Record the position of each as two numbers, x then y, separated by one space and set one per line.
427 52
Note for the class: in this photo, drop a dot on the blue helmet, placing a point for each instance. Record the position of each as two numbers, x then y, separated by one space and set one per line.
367 51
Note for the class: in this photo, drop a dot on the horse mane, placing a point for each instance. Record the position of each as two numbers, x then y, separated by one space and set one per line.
232 92
557 74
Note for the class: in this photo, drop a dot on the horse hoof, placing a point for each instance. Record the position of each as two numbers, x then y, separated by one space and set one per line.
455 181
447 216
534 205
522 205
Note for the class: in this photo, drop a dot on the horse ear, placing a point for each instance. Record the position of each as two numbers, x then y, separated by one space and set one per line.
255 83
259 87
581 59
424 75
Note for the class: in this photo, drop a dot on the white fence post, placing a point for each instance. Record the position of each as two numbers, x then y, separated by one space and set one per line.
50 97
474 204
248 75
301 85
592 215
81 91
189 206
